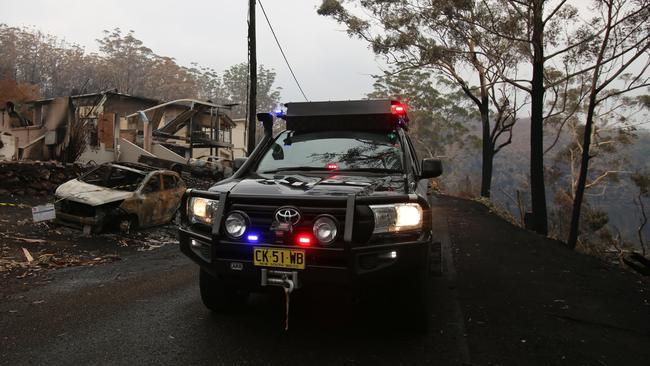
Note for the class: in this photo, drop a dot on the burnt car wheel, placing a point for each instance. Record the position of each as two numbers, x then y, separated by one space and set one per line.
127 223
218 296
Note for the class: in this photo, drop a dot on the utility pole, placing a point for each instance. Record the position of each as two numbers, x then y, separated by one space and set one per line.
252 71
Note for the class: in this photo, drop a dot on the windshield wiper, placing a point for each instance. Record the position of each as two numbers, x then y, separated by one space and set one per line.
294 168
372 170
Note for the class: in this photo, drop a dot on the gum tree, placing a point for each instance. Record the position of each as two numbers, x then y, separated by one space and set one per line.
620 67
435 35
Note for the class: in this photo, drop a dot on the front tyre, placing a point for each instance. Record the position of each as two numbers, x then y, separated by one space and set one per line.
416 301
218 296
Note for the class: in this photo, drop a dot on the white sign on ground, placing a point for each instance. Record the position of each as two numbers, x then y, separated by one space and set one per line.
43 212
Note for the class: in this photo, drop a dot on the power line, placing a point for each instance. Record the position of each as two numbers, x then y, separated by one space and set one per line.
281 51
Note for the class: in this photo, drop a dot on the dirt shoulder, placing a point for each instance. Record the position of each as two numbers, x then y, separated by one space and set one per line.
53 246
30 251
527 299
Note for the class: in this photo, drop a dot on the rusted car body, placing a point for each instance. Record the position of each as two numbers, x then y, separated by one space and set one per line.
120 196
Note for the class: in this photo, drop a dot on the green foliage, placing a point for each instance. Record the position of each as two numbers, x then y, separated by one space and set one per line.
235 81
443 37
443 123
438 120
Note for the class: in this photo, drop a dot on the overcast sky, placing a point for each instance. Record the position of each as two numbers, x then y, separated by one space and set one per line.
328 64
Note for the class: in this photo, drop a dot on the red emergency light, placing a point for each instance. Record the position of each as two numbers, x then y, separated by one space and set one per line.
304 239
398 108
332 166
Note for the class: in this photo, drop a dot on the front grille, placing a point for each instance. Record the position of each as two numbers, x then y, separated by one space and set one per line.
76 208
262 216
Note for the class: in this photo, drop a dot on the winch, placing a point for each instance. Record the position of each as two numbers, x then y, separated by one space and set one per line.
288 280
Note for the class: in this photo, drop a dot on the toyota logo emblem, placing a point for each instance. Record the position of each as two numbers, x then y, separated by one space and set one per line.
287 215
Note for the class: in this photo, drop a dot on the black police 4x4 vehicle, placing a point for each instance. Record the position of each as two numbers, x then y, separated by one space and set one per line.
339 197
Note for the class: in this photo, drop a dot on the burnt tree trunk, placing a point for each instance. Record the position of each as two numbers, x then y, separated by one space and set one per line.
484 108
488 151
644 222
486 176
537 185
574 230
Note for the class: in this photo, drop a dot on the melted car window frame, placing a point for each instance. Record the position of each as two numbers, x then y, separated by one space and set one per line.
106 174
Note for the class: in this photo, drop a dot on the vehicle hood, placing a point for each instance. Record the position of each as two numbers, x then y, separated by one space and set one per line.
309 185
78 191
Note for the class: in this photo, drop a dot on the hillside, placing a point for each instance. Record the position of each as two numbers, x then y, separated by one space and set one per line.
511 167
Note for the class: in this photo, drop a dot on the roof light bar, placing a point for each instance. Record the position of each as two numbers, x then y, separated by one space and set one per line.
398 108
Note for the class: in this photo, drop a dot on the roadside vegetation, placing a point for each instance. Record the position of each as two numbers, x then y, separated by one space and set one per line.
540 106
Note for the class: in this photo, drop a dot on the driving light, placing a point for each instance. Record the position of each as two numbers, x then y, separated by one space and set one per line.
325 229
202 210
388 255
236 224
409 215
304 240
397 217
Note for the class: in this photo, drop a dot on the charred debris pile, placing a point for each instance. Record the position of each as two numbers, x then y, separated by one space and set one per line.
41 178
36 178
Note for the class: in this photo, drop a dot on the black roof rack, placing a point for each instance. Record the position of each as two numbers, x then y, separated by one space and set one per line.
344 115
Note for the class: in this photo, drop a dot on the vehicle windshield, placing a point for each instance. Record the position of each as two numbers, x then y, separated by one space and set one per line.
114 177
327 150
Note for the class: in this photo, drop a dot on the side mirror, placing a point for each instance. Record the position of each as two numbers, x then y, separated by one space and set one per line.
238 163
431 168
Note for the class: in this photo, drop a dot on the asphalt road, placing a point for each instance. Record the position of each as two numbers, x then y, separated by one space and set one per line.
146 309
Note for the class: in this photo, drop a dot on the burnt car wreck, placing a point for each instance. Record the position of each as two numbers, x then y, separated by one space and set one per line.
119 196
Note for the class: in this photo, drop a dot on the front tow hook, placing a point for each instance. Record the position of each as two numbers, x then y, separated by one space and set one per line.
287 280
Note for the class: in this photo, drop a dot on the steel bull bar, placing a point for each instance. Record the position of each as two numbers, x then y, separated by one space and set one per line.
289 280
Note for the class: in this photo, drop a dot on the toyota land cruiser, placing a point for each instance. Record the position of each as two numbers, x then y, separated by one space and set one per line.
339 197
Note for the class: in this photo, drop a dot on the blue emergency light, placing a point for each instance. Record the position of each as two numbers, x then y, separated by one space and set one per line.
278 112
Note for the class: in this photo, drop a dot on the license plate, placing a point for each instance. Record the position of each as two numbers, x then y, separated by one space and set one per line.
281 258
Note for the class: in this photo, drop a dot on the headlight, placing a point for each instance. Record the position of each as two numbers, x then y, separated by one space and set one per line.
236 224
202 210
325 229
397 217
